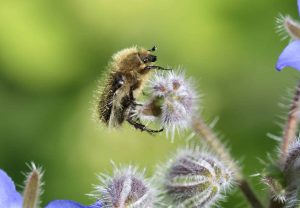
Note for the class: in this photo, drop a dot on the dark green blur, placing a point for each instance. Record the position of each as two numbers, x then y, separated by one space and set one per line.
53 52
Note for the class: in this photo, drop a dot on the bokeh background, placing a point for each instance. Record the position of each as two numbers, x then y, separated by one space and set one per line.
53 52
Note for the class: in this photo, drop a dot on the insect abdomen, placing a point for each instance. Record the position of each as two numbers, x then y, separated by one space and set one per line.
105 105
119 111
114 101
106 98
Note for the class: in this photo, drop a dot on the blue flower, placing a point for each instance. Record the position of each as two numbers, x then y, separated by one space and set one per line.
10 198
290 57
70 204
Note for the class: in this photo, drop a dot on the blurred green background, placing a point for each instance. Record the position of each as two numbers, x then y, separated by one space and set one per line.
53 52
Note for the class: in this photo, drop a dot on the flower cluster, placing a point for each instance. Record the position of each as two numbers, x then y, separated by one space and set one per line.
193 177
126 188
283 177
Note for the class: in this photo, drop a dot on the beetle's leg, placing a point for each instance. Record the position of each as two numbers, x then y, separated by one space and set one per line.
142 127
156 67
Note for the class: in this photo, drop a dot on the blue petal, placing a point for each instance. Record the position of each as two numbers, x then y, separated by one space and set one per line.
290 56
9 197
298 6
69 204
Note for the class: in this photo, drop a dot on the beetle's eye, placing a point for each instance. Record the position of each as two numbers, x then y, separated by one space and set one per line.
150 58
146 60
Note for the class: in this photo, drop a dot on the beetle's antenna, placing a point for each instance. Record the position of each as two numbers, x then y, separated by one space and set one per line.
154 48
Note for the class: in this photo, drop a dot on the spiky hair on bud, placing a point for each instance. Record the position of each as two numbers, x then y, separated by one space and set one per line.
277 190
172 101
33 186
283 179
195 178
126 188
291 172
292 163
287 27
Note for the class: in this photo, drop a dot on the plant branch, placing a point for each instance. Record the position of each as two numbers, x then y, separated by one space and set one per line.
290 130
289 135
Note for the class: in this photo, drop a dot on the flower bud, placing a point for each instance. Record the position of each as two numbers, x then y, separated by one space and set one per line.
195 179
126 188
172 101
289 27
277 190
292 27
33 186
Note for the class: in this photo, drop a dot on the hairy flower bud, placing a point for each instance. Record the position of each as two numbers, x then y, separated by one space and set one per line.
33 186
277 190
126 188
292 28
172 101
288 27
195 179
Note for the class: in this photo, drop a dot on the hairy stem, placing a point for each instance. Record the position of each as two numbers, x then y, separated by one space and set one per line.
249 194
211 139
290 130
289 135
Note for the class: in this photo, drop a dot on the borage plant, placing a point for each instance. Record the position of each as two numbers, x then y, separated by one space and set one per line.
198 175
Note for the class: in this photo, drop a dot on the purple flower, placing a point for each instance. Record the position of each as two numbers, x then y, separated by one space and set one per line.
70 204
290 57
10 198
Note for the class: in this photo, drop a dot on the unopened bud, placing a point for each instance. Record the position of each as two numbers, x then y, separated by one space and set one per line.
196 179
33 186
126 188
